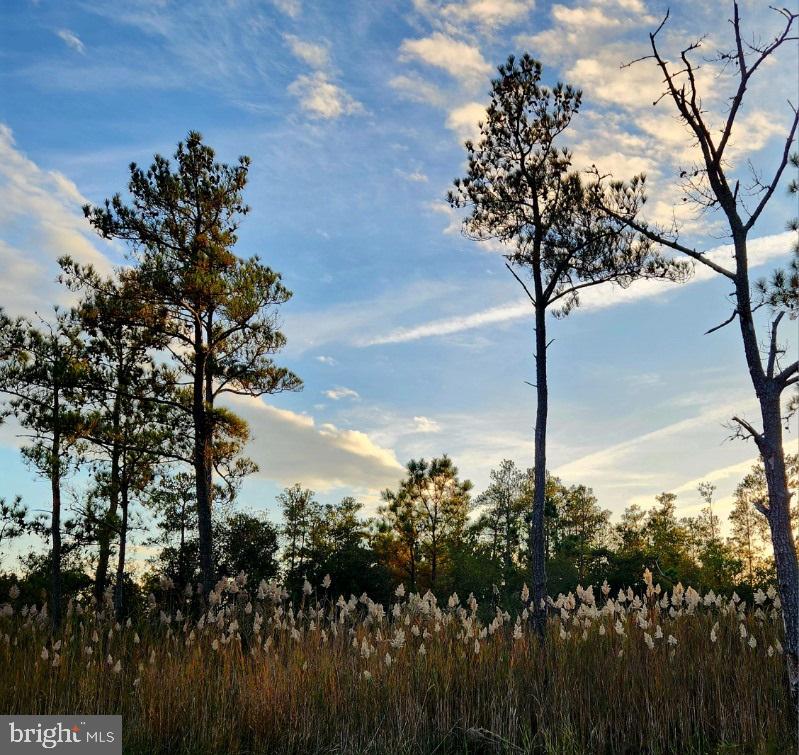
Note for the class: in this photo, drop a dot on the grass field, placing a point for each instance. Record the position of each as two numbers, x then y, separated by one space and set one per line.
618 673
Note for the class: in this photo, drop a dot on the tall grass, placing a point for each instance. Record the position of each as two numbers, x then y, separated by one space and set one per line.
618 674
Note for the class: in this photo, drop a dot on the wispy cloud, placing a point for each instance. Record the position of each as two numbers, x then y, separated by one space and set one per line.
340 392
417 89
761 251
321 98
292 8
40 220
315 54
605 462
486 15
414 176
72 40
426 425
318 94
448 325
461 60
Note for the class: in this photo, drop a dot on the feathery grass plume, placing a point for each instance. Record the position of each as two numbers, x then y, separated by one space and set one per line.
257 674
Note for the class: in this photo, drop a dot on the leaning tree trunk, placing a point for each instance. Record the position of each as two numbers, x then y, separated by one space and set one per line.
537 542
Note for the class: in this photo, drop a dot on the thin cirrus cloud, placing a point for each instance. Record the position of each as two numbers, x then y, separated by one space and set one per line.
761 251
72 40
340 392
291 8
425 425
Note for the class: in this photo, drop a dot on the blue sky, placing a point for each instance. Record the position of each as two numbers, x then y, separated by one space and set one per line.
411 339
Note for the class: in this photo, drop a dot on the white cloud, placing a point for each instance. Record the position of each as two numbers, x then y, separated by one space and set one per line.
72 40
459 59
464 120
291 447
760 251
734 471
426 425
416 89
314 54
40 220
486 14
326 360
321 98
449 325
415 176
606 463
340 392
345 322
291 8
588 26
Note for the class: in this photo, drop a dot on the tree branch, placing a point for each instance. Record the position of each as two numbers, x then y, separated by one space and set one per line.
772 352
758 437
726 322
526 290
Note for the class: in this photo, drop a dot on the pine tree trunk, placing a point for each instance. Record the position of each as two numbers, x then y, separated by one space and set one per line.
413 567
202 463
537 543
119 594
204 527
770 445
433 562
55 522
104 555
779 497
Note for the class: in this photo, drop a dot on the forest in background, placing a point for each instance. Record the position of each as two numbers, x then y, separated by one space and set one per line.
440 536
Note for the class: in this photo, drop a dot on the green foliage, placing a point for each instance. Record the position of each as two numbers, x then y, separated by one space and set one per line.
427 515
520 189
215 313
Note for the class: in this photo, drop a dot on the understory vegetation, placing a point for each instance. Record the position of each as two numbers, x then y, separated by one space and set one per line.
650 671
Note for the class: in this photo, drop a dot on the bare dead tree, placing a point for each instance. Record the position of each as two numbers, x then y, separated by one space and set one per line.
712 186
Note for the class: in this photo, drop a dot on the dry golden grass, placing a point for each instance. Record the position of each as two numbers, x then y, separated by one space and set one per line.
666 673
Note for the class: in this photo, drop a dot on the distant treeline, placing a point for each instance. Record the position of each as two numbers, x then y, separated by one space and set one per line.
430 533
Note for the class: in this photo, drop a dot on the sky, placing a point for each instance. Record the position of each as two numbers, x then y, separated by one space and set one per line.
411 339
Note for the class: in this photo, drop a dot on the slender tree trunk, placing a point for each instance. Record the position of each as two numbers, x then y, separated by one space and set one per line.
119 595
433 561
184 570
537 542
508 527
104 537
55 523
412 551
202 463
